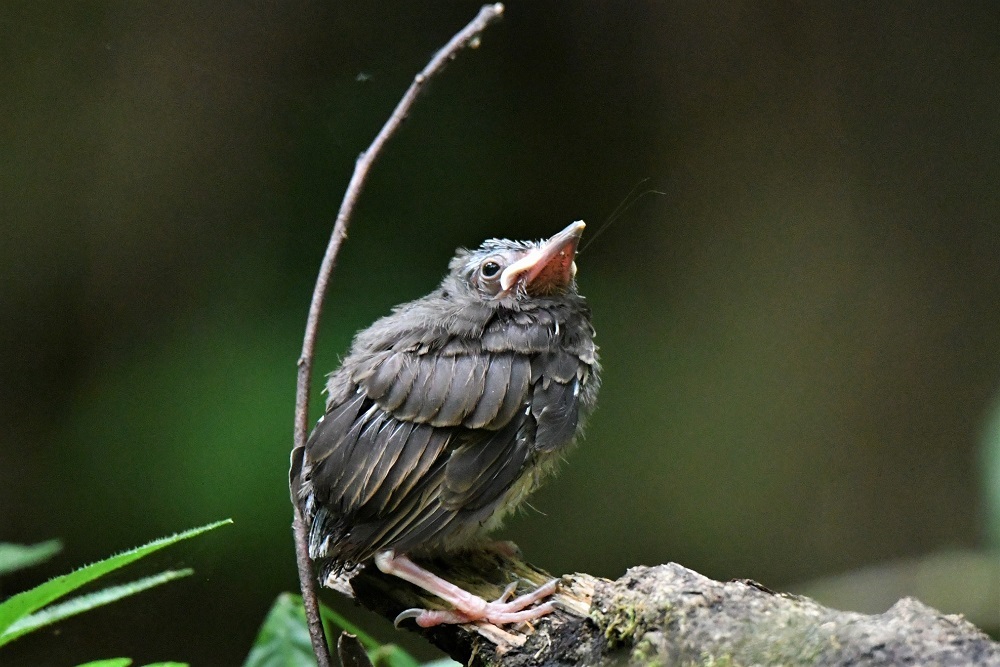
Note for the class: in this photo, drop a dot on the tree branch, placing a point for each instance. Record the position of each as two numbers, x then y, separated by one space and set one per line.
466 37
669 615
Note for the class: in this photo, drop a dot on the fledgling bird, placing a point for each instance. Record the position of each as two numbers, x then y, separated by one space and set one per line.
446 414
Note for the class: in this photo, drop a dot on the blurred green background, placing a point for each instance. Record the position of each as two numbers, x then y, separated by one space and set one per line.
800 334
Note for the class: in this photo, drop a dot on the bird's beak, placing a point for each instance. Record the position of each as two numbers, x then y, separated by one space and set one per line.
549 267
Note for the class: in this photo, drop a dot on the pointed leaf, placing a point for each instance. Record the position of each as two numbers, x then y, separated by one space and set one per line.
32 600
83 603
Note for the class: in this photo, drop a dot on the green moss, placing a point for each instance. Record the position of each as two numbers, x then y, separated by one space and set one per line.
646 654
619 627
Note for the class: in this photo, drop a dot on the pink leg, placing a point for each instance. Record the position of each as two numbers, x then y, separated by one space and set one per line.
468 608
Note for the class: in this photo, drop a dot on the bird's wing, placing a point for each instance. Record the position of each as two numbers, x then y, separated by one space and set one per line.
427 438
372 476
453 386
365 460
557 379
486 464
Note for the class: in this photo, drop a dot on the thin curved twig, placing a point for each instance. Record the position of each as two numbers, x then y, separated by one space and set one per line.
466 37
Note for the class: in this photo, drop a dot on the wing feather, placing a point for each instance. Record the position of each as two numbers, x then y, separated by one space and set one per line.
475 389
333 441
559 366
485 466
467 384
556 408
442 371
497 379
423 450
380 374
393 440
515 394
406 373
423 367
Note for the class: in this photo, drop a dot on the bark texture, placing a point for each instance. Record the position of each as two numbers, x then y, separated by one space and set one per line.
669 615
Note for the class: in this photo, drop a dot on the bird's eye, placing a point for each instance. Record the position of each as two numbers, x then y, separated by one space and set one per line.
490 269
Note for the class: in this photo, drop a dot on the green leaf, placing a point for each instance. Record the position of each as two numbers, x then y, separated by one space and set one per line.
330 617
32 600
83 603
19 556
393 656
167 664
283 640
380 654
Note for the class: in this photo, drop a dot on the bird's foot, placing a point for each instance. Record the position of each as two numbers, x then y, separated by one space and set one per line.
501 611
468 608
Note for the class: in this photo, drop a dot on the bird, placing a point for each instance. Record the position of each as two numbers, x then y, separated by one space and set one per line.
446 414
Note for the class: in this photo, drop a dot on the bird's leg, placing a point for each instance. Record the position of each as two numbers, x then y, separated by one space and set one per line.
468 608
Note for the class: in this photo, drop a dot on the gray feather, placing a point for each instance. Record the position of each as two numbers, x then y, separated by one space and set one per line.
424 377
362 459
483 469
436 388
401 386
497 379
559 365
332 443
381 375
556 408
423 450
467 383
381 483
515 394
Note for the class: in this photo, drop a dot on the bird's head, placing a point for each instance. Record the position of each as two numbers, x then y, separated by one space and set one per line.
503 272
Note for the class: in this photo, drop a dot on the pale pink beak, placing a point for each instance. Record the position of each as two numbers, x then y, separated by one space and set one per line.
548 267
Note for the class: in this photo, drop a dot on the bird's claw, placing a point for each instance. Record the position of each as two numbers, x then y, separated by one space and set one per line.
414 612
501 611
507 592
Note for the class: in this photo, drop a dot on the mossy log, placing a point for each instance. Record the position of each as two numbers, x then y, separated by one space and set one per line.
669 615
